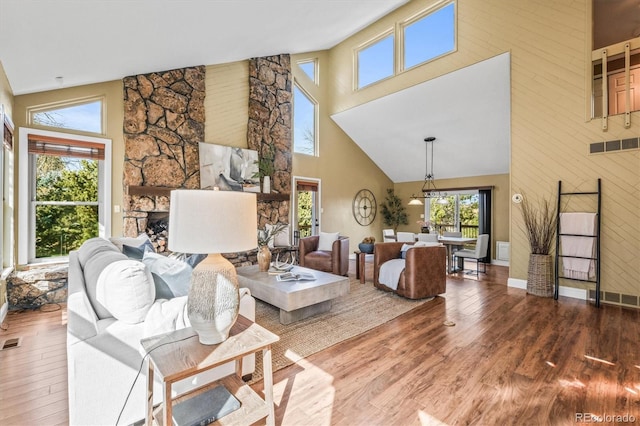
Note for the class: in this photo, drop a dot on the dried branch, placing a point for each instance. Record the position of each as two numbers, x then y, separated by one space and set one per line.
540 225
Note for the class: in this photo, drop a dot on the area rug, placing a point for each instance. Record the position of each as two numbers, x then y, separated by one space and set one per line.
364 308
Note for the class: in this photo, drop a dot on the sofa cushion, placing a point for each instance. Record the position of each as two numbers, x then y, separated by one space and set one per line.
125 288
326 240
94 256
119 242
172 277
137 252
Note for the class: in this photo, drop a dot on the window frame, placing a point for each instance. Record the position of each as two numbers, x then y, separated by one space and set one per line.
26 197
316 118
402 26
316 69
367 44
397 31
52 107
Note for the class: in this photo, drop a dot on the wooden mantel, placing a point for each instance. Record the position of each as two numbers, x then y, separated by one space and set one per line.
165 191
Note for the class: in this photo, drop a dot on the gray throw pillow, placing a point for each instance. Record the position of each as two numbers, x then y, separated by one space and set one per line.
172 277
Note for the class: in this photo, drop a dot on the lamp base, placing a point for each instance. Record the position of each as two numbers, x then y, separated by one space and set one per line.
213 301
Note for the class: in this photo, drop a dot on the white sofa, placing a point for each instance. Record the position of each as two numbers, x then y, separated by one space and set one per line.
104 354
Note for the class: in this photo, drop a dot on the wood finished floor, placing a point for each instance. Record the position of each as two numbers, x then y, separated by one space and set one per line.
510 359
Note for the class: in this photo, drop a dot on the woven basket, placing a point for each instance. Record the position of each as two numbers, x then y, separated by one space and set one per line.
540 275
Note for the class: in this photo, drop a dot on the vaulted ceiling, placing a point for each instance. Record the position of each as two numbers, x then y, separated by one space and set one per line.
101 40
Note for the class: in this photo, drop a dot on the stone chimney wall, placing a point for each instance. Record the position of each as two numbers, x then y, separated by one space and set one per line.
270 117
163 123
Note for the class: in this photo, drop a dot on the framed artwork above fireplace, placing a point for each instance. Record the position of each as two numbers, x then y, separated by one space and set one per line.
228 168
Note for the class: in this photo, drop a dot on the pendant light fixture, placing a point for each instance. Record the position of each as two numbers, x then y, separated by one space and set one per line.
429 189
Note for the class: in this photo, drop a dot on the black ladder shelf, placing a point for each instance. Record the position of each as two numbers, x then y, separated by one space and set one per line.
596 235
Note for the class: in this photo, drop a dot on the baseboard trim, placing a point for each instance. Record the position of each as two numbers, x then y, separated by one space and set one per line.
3 311
574 293
499 262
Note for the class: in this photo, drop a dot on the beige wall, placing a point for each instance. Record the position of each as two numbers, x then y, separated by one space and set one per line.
500 202
550 135
114 112
341 165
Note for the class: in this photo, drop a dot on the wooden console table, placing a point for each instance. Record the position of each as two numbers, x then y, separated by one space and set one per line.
179 354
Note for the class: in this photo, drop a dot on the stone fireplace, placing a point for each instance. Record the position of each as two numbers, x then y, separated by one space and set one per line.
164 121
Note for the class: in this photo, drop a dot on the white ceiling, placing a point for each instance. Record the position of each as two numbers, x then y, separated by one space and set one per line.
89 41
468 111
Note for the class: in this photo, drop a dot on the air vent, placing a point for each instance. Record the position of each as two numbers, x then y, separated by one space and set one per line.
614 146
11 343
616 298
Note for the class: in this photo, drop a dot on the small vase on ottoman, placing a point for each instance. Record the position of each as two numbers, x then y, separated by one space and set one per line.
366 246
264 258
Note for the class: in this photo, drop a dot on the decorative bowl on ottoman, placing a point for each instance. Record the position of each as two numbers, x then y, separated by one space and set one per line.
366 248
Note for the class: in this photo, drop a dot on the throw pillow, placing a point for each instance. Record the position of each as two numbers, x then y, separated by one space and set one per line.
125 288
282 238
190 259
137 252
326 240
130 241
403 250
172 277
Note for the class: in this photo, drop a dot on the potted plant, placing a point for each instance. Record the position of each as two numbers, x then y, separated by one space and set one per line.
366 246
540 228
266 168
425 226
393 211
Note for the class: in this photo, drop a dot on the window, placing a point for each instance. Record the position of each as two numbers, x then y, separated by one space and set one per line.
460 213
83 116
310 68
65 190
429 36
421 38
375 61
304 122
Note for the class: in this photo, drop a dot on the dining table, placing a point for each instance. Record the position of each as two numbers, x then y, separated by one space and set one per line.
450 243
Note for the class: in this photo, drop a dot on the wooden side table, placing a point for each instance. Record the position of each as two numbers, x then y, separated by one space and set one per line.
360 261
179 354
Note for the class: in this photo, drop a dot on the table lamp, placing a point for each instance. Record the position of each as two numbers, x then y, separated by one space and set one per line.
212 222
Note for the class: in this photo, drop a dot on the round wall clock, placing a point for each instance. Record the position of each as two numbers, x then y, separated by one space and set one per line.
364 207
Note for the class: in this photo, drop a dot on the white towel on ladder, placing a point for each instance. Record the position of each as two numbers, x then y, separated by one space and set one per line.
579 224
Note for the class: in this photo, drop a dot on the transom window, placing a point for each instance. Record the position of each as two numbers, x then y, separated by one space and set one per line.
304 122
375 61
429 36
83 116
310 68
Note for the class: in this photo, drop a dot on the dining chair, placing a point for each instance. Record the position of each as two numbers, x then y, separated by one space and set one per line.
388 235
479 252
406 237
429 238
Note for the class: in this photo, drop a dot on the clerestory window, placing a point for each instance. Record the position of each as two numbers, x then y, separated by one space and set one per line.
305 113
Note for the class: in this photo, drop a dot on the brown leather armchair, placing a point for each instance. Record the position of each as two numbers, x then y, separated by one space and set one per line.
335 261
425 272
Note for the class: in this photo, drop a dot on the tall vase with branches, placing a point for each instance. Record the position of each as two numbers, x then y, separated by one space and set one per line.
540 220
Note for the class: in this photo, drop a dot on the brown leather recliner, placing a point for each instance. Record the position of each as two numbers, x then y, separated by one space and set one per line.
425 272
335 261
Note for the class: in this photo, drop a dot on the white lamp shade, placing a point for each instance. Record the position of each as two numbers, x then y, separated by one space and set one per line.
205 221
